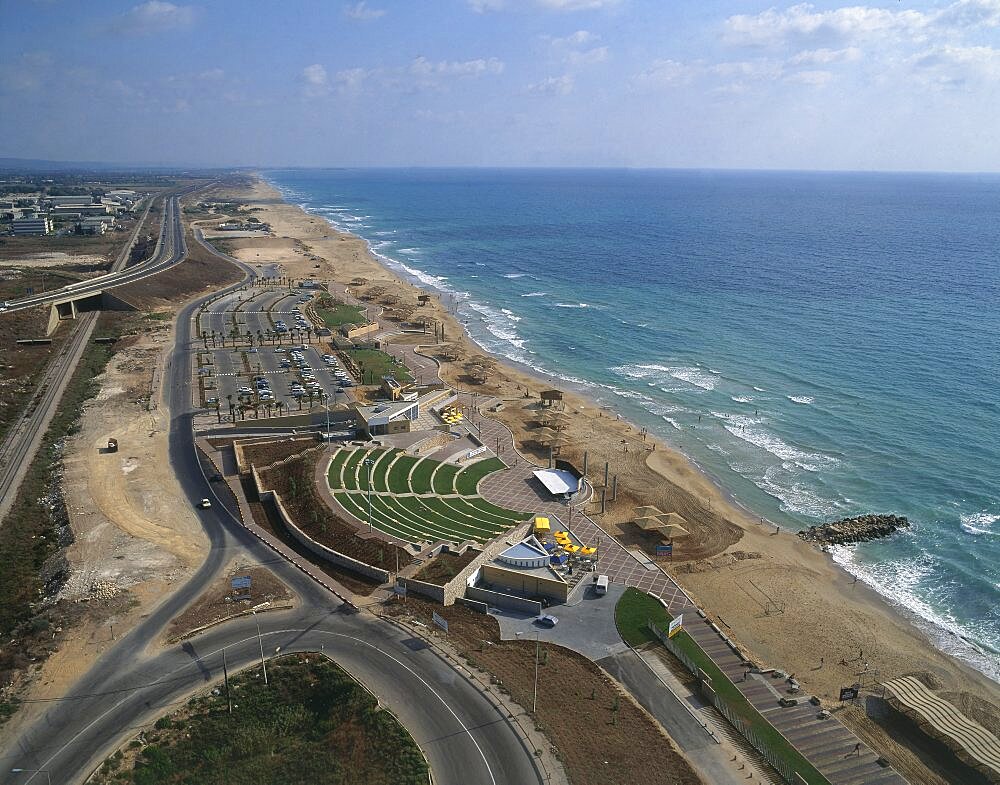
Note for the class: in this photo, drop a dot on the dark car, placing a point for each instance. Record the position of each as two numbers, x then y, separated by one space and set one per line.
215 478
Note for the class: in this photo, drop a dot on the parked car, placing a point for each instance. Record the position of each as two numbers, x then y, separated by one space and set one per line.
204 504
548 620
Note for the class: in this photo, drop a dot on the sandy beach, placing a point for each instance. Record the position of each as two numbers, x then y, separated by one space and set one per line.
787 603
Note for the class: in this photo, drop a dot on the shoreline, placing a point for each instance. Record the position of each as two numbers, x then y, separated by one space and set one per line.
709 580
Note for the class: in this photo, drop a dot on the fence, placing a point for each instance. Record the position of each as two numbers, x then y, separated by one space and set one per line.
777 762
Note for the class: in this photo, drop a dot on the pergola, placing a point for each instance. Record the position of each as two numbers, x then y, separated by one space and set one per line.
669 525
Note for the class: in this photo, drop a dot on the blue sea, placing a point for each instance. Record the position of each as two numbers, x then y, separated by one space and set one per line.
821 344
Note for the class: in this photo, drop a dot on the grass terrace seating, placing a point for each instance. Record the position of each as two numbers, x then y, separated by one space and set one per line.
419 499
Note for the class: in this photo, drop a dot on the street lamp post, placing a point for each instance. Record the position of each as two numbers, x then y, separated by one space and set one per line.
33 771
260 642
534 694
369 463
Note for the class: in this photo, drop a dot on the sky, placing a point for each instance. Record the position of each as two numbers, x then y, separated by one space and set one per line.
640 83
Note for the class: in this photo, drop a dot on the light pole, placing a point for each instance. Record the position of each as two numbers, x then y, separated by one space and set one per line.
324 397
260 642
534 694
33 771
369 463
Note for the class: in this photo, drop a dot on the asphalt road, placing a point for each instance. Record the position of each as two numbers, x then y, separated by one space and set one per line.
171 236
465 738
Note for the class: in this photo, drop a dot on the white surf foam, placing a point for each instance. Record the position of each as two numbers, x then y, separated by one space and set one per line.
741 398
518 275
696 377
804 399
572 305
750 430
900 582
535 294
979 523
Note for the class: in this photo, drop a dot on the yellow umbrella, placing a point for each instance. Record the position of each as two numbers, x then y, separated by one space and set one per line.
572 548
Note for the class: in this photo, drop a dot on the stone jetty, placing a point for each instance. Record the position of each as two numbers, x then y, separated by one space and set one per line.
859 529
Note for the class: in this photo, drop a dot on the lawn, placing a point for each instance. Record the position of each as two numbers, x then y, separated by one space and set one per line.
312 723
336 314
407 498
374 364
632 613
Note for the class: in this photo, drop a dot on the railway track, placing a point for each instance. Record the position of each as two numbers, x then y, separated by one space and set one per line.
19 448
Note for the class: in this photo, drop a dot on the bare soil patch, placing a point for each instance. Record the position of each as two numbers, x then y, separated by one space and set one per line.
200 272
599 734
265 516
220 601
445 566
294 482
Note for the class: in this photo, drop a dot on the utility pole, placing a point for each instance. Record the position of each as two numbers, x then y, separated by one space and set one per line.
225 674
369 463
260 642
534 695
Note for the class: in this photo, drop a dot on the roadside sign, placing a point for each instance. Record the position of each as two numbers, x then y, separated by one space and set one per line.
848 693
440 621
29 289
676 625
400 589
665 550
242 582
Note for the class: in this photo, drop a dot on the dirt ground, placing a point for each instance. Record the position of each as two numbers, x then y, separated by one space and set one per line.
728 550
220 601
136 537
600 735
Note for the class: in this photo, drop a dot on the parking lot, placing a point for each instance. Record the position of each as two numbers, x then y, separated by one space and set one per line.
276 378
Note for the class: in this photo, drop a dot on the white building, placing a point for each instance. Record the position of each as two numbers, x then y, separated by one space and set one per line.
35 224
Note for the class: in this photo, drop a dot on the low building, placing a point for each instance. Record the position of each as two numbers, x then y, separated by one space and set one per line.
34 224
96 225
387 418
522 570
57 201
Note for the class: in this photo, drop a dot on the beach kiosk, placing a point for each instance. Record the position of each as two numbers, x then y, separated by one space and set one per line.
542 525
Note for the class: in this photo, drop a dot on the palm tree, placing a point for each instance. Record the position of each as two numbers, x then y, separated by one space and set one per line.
267 407
311 394
309 332
232 412
204 338
260 338
280 405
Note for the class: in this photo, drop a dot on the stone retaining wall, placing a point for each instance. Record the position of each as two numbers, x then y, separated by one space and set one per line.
500 600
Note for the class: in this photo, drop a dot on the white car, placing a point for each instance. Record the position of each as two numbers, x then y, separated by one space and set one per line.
204 504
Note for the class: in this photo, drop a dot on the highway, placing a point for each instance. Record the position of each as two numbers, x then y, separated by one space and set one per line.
466 740
19 448
171 237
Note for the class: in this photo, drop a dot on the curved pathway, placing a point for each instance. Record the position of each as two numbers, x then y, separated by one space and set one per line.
466 739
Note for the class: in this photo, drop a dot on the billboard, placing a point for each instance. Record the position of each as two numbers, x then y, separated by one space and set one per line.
440 621
676 625
243 582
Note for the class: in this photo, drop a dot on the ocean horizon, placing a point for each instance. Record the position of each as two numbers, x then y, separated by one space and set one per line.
821 344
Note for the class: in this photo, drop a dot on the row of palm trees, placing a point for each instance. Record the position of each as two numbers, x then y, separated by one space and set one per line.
251 339
241 405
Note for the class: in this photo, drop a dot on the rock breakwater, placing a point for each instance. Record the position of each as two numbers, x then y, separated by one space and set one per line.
859 529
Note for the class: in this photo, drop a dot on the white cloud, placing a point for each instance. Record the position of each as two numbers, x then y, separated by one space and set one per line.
483 6
570 48
956 66
360 12
665 73
812 78
579 38
352 80
801 23
825 56
421 66
25 73
577 5
154 16
317 81
212 75
553 85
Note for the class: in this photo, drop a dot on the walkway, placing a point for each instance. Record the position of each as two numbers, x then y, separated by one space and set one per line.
834 750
